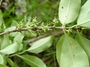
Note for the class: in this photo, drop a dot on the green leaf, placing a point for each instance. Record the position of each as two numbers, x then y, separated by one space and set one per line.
69 10
10 28
71 53
1 65
32 61
10 49
1 18
41 45
5 42
84 17
1 41
11 63
1 59
13 34
18 38
59 47
1 21
85 43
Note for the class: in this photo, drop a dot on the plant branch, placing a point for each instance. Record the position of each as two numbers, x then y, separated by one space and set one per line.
15 30
26 29
43 36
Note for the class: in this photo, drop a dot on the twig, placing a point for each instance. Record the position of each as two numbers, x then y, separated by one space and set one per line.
26 29
43 36
11 31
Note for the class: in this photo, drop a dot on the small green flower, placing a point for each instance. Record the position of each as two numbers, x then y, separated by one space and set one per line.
55 21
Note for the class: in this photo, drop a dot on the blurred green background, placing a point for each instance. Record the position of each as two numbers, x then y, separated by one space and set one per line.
15 10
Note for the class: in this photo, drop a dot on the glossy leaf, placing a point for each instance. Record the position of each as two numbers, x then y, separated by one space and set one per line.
84 42
69 10
41 45
71 53
32 61
1 59
10 49
84 17
6 41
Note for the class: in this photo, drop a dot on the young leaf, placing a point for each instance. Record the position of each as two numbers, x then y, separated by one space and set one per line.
32 61
1 60
5 42
69 10
10 49
84 17
41 45
71 54
85 43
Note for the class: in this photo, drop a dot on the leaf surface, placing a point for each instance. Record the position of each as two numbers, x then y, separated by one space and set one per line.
84 17
1 17
1 59
71 53
19 38
1 21
59 47
11 63
69 10
10 49
6 41
32 61
41 45
84 42
13 34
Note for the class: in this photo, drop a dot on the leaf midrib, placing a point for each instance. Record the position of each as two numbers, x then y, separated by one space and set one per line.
30 61
71 50
67 11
